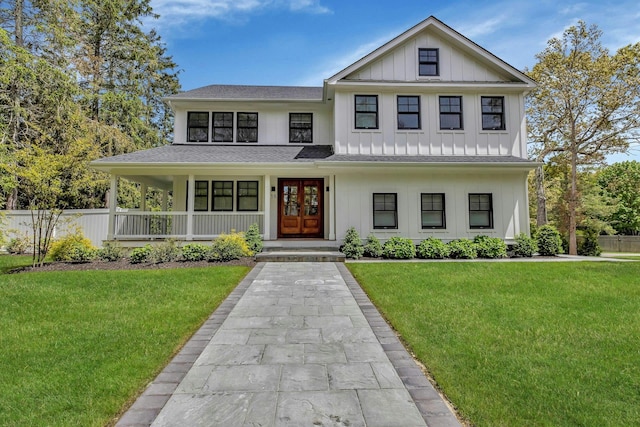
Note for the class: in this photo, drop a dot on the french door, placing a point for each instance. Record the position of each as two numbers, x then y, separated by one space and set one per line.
300 207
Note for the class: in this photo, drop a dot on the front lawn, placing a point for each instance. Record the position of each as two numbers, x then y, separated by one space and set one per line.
514 344
76 346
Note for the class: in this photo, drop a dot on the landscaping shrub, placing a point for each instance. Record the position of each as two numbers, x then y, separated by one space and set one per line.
462 249
18 245
399 248
166 251
70 246
228 247
433 248
588 245
548 241
195 252
352 247
82 253
373 247
140 255
525 246
253 238
490 247
111 252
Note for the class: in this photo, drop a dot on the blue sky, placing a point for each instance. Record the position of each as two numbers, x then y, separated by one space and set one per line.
302 42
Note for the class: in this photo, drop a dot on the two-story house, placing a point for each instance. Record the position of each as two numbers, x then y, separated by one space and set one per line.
425 136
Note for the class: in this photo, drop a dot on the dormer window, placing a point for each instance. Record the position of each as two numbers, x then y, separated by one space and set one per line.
198 127
223 127
300 127
428 62
247 127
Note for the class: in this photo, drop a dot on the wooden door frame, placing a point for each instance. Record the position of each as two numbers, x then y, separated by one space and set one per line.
320 234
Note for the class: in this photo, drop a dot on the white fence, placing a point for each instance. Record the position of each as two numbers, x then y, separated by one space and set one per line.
93 223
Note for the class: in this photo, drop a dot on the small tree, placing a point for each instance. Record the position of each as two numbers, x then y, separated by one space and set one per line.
352 247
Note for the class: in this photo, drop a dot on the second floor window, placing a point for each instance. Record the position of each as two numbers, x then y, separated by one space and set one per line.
492 113
428 62
408 112
198 127
300 127
450 112
247 127
223 127
366 111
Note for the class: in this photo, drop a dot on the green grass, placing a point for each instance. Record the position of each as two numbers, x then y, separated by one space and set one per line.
9 262
75 347
629 257
515 344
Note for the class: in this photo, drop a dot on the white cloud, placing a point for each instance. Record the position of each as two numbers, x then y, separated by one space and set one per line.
484 27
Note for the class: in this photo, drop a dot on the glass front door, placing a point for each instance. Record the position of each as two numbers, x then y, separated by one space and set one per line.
300 208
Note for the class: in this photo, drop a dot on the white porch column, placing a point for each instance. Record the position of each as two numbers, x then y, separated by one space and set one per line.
143 197
191 191
332 207
266 208
113 203
165 200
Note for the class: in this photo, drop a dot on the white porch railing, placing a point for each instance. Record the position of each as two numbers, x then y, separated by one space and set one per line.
148 225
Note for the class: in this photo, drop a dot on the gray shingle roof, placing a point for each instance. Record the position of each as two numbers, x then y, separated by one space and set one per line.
230 92
239 153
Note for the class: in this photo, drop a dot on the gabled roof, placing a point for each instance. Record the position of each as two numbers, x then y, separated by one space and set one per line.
444 30
254 93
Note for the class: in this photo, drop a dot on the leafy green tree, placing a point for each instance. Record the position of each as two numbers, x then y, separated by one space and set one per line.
621 182
586 105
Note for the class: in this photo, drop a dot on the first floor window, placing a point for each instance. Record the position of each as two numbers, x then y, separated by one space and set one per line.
247 127
366 111
432 209
223 127
408 112
197 126
450 112
247 196
428 62
385 210
201 196
480 210
300 127
492 113
222 196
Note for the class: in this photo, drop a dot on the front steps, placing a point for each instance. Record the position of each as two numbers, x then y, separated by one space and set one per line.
300 251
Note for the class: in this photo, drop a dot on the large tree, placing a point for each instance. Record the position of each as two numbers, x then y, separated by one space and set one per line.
621 181
586 105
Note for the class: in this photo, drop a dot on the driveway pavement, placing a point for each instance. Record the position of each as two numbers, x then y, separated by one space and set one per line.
296 344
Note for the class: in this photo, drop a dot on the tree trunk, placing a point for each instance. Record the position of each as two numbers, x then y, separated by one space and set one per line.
12 200
573 203
541 211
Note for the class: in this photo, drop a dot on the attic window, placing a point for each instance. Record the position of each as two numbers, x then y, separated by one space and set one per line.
428 62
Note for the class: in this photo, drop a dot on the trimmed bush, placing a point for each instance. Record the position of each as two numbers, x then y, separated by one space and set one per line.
433 248
253 238
195 252
71 246
462 249
588 245
399 248
166 251
549 241
140 255
525 246
18 245
111 252
352 247
490 247
82 253
228 247
373 247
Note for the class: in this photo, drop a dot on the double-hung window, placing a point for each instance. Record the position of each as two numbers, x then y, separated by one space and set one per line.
385 210
450 112
366 111
428 62
201 196
480 210
197 126
247 127
432 210
247 196
222 195
300 127
492 113
223 127
408 112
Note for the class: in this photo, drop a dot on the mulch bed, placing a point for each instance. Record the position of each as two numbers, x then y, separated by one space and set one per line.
126 265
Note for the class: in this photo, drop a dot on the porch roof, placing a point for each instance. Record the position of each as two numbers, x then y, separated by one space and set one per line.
238 154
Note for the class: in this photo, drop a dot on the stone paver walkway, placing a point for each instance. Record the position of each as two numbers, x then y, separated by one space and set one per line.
296 344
